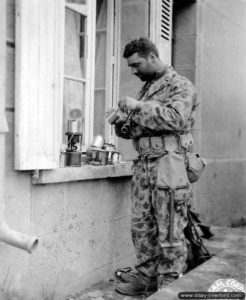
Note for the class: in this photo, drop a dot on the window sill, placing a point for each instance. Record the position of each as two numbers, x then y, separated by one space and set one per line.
86 172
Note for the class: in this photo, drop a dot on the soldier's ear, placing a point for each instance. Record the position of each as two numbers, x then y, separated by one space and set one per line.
152 56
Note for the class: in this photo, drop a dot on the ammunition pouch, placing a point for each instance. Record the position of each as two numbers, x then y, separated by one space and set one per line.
158 145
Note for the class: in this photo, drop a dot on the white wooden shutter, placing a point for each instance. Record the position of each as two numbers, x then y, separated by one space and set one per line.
39 85
161 27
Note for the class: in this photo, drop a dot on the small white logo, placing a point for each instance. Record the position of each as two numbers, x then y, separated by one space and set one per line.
226 285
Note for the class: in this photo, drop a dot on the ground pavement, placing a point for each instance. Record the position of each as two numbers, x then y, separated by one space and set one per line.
228 247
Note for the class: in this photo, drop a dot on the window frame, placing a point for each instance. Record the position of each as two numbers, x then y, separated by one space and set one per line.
112 63
89 11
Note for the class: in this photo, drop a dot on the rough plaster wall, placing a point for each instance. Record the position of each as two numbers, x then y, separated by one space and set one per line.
223 33
85 231
209 48
83 228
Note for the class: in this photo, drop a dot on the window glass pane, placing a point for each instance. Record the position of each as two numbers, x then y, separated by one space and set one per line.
101 14
74 104
74 55
99 123
100 66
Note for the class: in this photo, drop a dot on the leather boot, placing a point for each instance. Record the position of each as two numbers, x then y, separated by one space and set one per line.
139 284
126 274
166 279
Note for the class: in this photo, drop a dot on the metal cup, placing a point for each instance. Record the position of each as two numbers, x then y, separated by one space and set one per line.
98 141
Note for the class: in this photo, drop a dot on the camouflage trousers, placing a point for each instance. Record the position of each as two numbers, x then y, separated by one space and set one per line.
150 222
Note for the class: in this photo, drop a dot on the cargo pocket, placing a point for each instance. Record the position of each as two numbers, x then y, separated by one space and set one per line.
172 176
195 166
171 173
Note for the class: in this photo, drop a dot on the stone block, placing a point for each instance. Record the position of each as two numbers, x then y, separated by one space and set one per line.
65 207
184 20
184 51
188 72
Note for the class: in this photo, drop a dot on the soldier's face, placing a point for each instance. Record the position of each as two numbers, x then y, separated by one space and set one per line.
141 67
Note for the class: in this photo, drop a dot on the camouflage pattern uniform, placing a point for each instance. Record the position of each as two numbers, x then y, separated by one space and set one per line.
166 113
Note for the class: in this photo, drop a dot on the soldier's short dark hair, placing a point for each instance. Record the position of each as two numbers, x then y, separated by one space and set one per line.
143 46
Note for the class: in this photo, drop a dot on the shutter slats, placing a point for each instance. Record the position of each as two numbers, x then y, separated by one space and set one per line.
166 9
166 12
165 30
164 22
161 27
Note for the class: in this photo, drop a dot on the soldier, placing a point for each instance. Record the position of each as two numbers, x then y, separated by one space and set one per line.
158 121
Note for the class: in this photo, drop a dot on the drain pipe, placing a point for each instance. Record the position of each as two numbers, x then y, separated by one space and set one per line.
15 238
7 235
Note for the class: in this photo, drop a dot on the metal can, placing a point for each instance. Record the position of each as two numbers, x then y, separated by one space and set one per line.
74 126
100 155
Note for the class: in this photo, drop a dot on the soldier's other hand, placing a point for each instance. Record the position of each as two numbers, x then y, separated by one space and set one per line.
128 104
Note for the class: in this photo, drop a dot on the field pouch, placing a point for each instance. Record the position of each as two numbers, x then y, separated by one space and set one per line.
195 166
171 173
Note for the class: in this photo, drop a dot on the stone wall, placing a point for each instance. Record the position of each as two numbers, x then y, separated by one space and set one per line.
209 47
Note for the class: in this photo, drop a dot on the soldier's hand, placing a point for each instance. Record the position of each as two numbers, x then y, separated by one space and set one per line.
121 119
128 104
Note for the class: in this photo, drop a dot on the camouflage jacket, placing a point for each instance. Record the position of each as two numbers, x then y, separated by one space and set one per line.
168 107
